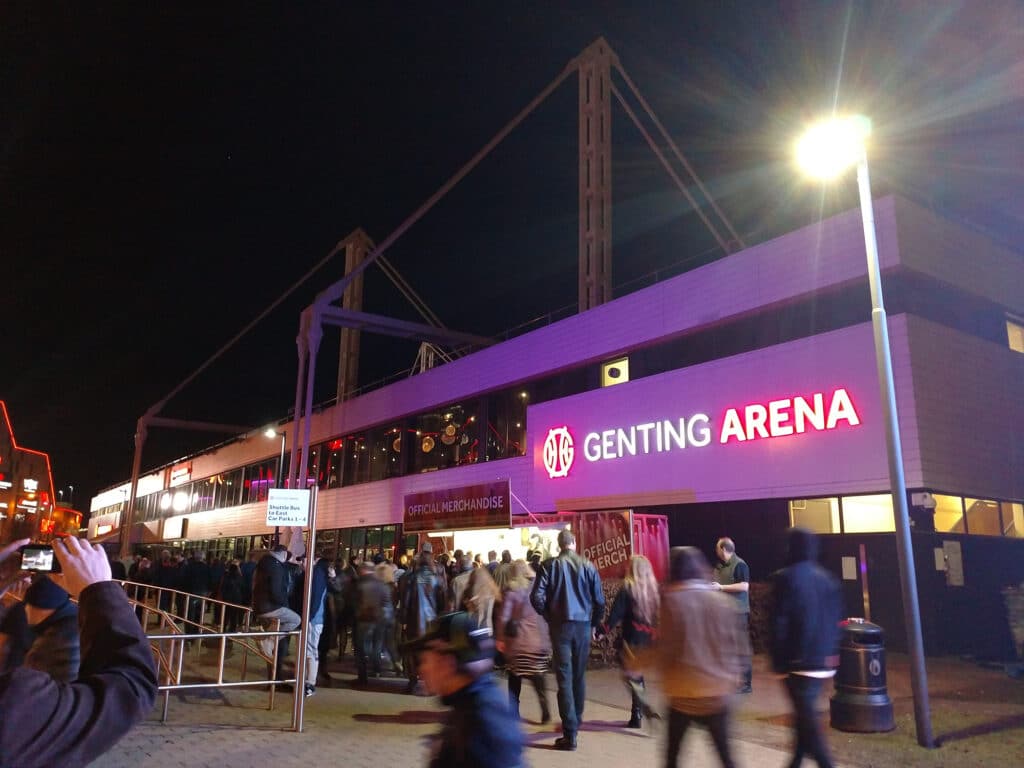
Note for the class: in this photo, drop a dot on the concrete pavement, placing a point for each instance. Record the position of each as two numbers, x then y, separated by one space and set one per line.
977 713
382 725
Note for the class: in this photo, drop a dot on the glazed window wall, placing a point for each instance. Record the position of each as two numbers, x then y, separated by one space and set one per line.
447 437
506 424
874 514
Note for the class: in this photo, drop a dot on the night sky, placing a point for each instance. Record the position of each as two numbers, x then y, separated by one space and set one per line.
167 172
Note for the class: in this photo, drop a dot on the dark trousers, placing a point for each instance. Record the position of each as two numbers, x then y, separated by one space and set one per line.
746 658
717 723
515 690
803 692
571 641
369 638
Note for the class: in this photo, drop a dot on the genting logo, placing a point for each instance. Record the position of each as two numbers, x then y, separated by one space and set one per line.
558 452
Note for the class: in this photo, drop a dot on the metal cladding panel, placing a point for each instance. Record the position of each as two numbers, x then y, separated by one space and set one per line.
846 458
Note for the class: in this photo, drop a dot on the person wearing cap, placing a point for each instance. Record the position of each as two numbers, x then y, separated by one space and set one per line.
44 722
455 659
567 593
52 621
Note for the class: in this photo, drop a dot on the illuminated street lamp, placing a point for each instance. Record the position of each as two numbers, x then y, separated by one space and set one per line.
825 151
271 433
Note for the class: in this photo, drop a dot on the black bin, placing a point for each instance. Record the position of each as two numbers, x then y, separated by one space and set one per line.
861 702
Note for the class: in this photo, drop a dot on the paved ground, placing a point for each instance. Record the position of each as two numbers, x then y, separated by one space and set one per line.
979 714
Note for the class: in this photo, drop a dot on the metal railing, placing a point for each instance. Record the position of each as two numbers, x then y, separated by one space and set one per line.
170 640
174 632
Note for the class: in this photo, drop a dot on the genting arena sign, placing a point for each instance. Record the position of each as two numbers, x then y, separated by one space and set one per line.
777 418
799 415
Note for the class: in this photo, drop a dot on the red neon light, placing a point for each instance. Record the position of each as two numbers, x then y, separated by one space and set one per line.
14 443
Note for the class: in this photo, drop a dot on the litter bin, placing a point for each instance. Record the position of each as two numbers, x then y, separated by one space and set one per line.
861 702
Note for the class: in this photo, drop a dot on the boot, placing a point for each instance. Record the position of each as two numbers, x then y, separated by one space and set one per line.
545 710
515 689
635 712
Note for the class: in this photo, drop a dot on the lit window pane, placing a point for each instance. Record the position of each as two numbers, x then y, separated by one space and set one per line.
949 514
1015 333
983 517
818 515
868 514
1013 519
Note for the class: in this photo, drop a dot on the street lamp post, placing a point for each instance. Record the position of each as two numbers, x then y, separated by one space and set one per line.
825 151
272 433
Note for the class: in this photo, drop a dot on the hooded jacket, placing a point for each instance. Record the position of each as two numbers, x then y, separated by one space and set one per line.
808 608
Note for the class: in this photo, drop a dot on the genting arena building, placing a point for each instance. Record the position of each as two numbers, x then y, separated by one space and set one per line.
735 399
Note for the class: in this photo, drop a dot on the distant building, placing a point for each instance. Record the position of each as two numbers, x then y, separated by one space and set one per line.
27 508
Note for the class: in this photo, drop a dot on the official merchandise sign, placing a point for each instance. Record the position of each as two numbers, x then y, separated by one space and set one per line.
487 505
287 506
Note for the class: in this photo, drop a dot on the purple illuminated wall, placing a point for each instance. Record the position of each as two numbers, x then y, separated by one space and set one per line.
828 462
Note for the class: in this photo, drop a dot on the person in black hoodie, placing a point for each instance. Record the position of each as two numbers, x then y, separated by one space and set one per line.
270 602
805 638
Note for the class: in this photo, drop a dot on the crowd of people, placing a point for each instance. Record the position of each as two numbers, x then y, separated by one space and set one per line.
444 623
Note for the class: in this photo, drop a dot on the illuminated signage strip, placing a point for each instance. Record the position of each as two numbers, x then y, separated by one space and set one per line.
797 416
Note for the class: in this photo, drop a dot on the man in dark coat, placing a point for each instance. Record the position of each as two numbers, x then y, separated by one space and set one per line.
423 596
805 638
44 722
567 593
195 579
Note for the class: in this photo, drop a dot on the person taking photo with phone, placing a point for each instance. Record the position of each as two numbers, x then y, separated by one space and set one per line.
44 722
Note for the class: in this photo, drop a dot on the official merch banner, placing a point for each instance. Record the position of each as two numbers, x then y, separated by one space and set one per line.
604 539
487 505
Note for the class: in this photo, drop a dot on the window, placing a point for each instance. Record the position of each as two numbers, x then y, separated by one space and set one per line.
448 437
334 460
227 490
868 514
506 425
1013 519
949 514
259 478
1015 334
983 517
818 515
385 452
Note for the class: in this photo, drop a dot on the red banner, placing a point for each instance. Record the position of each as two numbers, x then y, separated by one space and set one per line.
487 505
604 539
650 539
